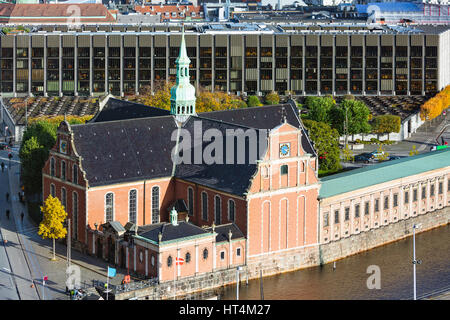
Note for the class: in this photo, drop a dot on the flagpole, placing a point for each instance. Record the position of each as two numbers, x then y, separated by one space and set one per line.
107 283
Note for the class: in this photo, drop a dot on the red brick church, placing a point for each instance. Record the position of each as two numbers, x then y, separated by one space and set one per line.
131 200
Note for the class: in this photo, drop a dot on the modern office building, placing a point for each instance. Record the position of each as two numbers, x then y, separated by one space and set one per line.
302 59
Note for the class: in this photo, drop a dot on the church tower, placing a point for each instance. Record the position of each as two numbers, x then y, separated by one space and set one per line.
182 94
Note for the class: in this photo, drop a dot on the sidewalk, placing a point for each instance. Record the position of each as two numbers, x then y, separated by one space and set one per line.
39 251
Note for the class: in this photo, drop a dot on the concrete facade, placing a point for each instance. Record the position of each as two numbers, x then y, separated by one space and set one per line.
297 59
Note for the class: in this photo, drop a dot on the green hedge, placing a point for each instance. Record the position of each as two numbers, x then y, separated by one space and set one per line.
34 211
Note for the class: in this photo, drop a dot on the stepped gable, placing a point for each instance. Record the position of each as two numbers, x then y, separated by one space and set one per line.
126 150
265 117
232 178
116 109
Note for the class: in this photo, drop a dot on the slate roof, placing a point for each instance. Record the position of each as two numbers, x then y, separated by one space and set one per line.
127 150
232 178
265 117
383 172
223 229
115 151
116 109
170 232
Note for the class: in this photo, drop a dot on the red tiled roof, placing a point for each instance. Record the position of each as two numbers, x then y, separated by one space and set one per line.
187 9
55 12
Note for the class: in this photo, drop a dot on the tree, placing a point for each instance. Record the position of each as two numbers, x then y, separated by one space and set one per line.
326 143
272 98
33 156
434 106
381 154
253 101
319 108
37 141
413 151
351 113
386 124
348 154
161 98
52 226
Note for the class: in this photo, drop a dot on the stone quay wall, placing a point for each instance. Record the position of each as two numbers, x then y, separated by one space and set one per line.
382 235
295 259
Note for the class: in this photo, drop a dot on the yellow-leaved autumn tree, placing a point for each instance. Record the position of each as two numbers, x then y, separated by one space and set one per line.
52 225
434 106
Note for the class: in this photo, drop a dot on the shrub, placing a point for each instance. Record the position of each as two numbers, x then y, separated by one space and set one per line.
253 101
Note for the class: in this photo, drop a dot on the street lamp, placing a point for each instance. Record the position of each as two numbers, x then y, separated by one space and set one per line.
237 281
415 226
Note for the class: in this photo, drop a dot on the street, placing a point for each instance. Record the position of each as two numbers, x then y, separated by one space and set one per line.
423 140
25 257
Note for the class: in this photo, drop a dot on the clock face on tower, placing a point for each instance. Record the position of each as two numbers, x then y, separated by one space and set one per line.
285 149
63 146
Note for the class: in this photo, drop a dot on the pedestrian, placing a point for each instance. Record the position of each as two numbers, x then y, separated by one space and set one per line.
3 166
7 214
21 216
7 197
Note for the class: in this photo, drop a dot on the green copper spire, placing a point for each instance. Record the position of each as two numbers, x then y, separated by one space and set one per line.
182 95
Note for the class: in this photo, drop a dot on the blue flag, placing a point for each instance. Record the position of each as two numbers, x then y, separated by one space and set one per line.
111 272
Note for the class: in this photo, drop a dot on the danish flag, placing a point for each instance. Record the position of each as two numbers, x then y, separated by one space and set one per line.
179 261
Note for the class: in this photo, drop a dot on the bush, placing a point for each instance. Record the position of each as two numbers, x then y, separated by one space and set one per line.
253 101
374 140
272 98
358 141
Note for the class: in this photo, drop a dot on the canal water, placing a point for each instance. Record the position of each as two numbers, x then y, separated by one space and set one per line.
349 280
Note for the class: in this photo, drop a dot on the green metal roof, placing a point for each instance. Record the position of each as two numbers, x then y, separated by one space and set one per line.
383 172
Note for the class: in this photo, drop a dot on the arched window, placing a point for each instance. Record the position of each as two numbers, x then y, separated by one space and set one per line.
217 209
132 198
75 214
190 201
187 258
52 167
231 210
63 170
109 207
205 254
169 261
75 174
52 190
205 206
155 204
64 198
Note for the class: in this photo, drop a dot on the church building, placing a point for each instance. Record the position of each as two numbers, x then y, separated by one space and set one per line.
142 194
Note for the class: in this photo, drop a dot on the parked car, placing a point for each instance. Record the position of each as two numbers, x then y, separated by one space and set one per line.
3 146
394 157
363 157
376 154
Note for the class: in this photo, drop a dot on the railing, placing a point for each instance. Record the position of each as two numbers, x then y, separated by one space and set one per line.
116 289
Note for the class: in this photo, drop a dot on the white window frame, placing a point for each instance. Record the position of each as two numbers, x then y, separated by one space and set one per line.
189 202
159 203
204 210
135 206
112 206
215 209
234 213
65 170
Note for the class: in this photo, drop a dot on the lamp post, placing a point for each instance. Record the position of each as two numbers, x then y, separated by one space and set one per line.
415 226
237 281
